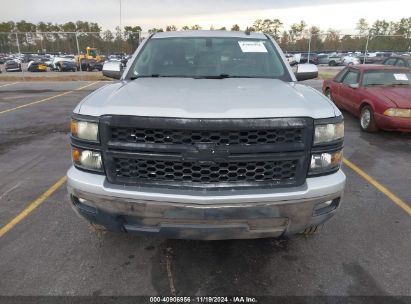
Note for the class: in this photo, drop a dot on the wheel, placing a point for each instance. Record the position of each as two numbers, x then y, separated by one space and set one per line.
367 120
332 63
312 230
59 68
74 70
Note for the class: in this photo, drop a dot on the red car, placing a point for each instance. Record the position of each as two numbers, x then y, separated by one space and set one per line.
379 95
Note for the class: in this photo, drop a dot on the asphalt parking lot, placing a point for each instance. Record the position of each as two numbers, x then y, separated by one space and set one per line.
48 250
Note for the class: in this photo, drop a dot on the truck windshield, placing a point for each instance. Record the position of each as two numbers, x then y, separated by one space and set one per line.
209 58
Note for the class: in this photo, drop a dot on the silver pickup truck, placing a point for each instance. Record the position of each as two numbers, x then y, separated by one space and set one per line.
207 135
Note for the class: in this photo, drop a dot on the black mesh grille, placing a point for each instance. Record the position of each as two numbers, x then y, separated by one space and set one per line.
158 170
248 137
206 154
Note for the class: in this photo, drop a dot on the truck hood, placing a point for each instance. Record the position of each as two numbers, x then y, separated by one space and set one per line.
207 98
400 96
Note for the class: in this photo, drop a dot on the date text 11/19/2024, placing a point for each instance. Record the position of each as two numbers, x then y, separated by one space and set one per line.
204 299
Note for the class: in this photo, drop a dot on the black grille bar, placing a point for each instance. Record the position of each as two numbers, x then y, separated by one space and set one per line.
190 137
219 172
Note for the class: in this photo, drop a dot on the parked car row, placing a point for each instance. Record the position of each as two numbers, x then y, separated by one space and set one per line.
336 59
12 66
60 65
401 61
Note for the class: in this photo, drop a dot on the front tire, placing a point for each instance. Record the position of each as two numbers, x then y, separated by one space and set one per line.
367 120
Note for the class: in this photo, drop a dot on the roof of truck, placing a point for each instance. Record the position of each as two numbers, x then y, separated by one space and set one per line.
232 34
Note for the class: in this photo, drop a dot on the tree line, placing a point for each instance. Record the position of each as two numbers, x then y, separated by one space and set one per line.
53 37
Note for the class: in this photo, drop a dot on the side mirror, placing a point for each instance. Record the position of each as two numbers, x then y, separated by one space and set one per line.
354 86
306 71
113 69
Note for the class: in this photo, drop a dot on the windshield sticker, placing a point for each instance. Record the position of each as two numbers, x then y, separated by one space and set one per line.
252 47
401 77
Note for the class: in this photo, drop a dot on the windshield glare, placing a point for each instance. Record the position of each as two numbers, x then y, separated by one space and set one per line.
386 78
208 57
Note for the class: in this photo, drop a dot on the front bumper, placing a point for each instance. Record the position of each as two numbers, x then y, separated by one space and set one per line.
393 123
229 214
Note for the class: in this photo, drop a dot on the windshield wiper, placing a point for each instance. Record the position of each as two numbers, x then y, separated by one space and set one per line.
224 76
158 76
221 76
387 85
399 84
145 76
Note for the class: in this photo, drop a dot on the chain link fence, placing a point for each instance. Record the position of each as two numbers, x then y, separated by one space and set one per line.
345 43
78 47
101 46
69 42
363 47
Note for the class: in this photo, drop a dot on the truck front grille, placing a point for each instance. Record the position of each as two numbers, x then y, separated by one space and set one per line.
206 153
218 137
219 172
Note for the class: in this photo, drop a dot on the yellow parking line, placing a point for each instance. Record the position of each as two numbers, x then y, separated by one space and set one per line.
61 182
35 102
8 84
86 86
46 99
379 186
32 206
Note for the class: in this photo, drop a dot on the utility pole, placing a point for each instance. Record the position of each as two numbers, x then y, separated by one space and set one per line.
120 16
368 41
121 35
366 47
21 61
309 49
78 57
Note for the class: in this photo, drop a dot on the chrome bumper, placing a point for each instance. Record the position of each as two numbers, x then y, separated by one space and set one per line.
204 215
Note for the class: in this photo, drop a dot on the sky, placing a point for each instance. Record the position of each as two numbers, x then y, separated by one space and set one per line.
337 14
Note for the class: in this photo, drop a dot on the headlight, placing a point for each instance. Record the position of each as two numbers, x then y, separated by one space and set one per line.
328 133
86 130
405 113
87 159
323 162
